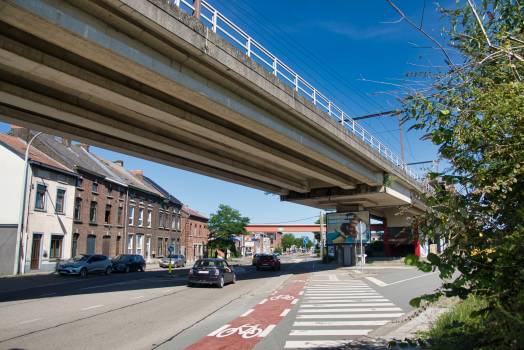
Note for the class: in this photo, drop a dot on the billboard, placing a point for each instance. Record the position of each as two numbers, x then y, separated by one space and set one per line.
342 227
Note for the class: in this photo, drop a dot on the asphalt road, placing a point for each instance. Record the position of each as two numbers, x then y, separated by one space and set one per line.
149 310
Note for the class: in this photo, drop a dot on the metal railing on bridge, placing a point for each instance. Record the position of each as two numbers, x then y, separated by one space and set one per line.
222 25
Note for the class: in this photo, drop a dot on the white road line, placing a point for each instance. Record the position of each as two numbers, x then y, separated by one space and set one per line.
382 284
36 319
137 297
92 307
263 301
340 323
300 293
285 312
396 315
340 294
45 295
330 300
267 330
356 309
345 305
247 313
314 344
329 332
294 301
357 297
339 288
218 330
304 287
165 291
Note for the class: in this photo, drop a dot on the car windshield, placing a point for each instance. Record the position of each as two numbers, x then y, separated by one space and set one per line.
122 257
81 257
266 257
205 263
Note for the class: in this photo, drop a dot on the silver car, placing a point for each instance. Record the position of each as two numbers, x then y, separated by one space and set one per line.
82 264
176 261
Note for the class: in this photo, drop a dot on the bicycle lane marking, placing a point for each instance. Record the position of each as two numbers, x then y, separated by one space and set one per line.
247 330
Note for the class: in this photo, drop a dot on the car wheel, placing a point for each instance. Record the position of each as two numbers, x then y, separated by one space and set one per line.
234 279
127 269
279 267
184 265
82 272
258 268
221 282
142 268
108 270
274 268
189 284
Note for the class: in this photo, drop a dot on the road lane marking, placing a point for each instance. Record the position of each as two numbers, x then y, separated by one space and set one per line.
247 313
285 312
92 307
137 297
315 344
300 293
267 330
341 294
329 332
382 284
294 301
165 291
340 323
218 330
370 309
36 319
263 301
330 300
45 295
396 315
341 305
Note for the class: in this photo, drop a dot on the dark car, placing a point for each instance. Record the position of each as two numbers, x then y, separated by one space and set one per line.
128 262
211 271
82 264
268 262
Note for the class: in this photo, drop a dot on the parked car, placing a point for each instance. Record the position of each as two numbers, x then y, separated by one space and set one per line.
254 259
276 253
211 271
268 262
128 262
176 261
82 264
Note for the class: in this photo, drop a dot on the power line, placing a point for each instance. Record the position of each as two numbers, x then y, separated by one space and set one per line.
278 223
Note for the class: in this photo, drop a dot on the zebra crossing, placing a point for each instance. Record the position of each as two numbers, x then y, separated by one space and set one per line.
335 313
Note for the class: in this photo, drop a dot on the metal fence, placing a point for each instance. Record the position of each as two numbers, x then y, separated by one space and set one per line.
223 26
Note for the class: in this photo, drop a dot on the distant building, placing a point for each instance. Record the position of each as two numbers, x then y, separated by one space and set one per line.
194 234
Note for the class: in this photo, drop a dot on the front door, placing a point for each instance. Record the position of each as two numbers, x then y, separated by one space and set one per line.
148 249
106 243
35 252
117 245
75 240
90 247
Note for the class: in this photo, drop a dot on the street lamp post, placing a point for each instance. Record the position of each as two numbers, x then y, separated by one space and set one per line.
19 265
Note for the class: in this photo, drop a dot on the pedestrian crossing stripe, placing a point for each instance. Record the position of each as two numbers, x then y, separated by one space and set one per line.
371 309
316 344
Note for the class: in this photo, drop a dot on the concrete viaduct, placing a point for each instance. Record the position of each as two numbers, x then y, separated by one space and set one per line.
145 78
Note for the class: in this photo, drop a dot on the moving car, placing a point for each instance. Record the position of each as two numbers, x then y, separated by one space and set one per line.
82 264
176 261
211 271
268 262
128 262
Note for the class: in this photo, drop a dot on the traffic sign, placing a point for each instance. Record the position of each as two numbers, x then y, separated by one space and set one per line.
170 249
361 227
305 240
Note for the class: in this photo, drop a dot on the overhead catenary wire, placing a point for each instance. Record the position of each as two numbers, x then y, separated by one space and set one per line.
287 222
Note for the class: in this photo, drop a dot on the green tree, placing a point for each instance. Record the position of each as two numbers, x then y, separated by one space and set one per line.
223 225
288 239
474 110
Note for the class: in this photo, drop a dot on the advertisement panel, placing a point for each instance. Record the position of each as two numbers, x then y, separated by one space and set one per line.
342 227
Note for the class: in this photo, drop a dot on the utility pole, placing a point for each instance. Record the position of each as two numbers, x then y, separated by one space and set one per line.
197 4
321 237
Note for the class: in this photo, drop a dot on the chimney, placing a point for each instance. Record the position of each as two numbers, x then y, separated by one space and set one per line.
185 206
138 174
85 146
66 142
119 162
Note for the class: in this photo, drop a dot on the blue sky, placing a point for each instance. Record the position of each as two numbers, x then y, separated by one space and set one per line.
361 42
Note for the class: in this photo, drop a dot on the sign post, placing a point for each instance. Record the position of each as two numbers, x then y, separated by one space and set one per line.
170 249
361 228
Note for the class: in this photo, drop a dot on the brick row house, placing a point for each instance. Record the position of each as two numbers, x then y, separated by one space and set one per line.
116 211
195 234
35 229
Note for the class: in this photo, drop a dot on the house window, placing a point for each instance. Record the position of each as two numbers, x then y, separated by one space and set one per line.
149 212
131 214
178 220
56 247
119 217
141 200
131 197
40 197
92 212
166 222
62 178
108 214
140 219
173 221
200 231
95 187
60 199
139 239
159 246
160 217
79 182
130 244
121 193
108 190
78 208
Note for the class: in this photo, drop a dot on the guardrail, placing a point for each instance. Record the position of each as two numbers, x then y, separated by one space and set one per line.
222 25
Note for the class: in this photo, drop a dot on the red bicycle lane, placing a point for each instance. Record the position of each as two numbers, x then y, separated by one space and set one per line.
247 330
